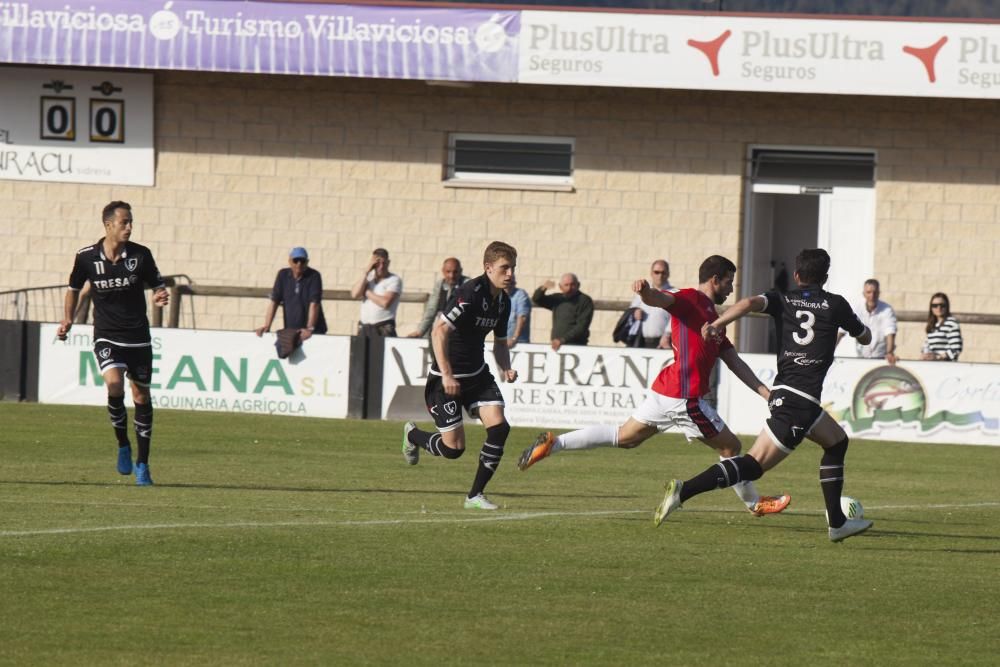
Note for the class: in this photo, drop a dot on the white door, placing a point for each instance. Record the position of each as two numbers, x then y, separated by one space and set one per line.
847 232
844 227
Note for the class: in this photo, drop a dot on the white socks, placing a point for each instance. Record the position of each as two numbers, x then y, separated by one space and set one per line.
589 437
746 491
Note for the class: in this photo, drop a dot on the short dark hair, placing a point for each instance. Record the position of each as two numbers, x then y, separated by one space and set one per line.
813 266
499 250
715 266
381 252
108 214
874 283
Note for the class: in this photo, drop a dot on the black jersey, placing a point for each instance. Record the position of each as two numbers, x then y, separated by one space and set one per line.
472 313
806 321
117 289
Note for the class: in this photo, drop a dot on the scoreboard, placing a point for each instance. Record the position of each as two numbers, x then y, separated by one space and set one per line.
76 126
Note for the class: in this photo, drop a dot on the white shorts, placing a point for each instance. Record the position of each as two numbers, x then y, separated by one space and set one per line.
693 417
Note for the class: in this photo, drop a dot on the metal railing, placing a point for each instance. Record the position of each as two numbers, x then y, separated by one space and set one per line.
45 304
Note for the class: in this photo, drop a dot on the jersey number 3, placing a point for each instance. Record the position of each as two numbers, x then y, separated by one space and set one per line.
808 320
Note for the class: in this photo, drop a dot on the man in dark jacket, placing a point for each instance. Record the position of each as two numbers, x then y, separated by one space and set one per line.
572 311
299 290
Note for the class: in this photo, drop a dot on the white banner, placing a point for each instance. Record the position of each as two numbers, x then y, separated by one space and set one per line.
576 386
222 371
914 401
767 54
76 126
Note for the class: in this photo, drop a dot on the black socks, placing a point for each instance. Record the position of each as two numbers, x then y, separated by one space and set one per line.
433 443
727 472
489 457
143 420
831 479
119 418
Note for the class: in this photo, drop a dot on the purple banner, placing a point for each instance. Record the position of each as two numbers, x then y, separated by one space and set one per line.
266 38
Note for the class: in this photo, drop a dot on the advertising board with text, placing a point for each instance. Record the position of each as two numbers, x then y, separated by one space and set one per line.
914 401
221 371
851 56
576 386
854 57
316 39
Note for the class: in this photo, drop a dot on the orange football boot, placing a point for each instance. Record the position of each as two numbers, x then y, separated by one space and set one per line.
770 505
538 451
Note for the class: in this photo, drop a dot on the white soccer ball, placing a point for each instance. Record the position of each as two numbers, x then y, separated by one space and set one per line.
852 507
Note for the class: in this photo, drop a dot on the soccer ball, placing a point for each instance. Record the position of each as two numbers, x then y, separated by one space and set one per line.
851 507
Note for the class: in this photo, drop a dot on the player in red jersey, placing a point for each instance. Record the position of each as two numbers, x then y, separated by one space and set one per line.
675 399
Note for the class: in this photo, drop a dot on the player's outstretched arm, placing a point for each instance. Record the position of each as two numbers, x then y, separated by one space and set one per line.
745 373
652 297
715 329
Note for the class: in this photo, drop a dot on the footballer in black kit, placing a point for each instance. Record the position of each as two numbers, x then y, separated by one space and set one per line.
459 377
807 320
119 272
472 313
806 323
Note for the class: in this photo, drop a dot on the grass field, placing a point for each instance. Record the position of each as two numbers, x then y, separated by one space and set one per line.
272 540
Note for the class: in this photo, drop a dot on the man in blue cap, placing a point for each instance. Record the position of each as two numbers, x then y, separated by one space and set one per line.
299 290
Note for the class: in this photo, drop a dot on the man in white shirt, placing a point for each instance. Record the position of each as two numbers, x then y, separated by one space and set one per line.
380 292
881 319
655 321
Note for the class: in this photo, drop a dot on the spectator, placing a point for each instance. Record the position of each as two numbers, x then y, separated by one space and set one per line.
451 277
628 329
944 336
572 311
655 326
519 324
298 289
881 319
379 291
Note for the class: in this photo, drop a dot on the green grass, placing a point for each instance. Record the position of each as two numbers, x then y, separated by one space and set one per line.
271 540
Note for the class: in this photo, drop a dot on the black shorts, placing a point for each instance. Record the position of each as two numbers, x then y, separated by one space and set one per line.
480 389
792 418
138 361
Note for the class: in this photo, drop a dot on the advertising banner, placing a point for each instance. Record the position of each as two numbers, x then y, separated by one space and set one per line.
914 401
76 126
221 371
264 38
767 54
576 386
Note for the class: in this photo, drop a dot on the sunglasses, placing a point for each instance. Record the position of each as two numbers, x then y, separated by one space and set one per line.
299 260
937 305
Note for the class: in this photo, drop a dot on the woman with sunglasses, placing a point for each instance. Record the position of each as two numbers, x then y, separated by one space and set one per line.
944 336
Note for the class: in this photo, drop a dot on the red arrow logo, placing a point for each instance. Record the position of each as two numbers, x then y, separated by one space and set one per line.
711 49
927 55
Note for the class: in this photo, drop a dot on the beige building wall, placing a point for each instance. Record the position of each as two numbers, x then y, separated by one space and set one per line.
249 166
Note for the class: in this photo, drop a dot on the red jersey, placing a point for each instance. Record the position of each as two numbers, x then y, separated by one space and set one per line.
694 357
